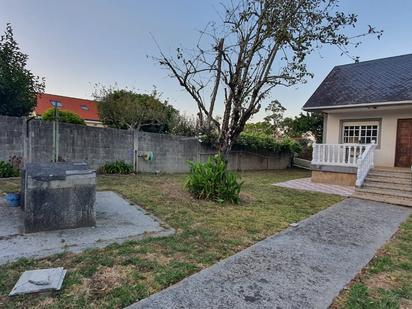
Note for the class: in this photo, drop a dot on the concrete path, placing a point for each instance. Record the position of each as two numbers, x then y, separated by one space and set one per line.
117 221
307 185
302 267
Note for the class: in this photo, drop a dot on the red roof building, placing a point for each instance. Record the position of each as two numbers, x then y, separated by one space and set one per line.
86 109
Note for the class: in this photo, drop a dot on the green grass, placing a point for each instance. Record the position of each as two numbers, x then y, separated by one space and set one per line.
387 281
207 232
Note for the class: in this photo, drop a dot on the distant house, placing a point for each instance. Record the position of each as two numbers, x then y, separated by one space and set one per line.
86 109
367 109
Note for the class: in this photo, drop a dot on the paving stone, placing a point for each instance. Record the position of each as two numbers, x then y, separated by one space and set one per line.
306 184
39 281
118 220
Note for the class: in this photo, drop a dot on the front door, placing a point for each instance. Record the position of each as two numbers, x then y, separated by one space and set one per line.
403 157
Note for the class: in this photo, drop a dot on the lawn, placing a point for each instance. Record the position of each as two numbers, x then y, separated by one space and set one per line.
387 281
206 233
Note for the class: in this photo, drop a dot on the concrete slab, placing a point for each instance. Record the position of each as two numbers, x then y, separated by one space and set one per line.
307 184
302 267
39 281
117 220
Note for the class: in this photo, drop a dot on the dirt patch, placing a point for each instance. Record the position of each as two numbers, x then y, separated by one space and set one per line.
174 191
157 257
405 304
246 198
109 278
384 280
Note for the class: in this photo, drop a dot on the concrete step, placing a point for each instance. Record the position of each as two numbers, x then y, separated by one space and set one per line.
388 185
383 198
392 169
391 174
384 179
389 192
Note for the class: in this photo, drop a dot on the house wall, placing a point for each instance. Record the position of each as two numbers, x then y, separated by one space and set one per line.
388 118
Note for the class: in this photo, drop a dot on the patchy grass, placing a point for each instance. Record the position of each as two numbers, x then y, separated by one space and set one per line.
387 281
207 232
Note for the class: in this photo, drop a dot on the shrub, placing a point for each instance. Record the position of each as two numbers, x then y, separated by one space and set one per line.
8 170
259 142
116 167
212 181
64 116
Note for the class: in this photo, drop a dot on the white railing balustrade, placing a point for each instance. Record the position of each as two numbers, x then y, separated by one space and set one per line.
337 154
365 163
348 155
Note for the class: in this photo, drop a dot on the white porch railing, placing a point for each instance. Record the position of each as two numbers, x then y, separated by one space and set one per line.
348 155
365 163
337 154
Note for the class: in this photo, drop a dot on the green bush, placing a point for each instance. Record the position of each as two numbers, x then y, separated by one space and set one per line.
259 142
8 170
212 181
64 116
116 167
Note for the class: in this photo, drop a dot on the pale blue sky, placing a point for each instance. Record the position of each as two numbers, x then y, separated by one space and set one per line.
78 43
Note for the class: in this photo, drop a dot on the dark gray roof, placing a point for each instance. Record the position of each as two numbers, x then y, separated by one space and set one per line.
380 80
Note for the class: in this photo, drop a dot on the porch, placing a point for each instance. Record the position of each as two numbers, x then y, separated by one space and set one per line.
354 165
342 164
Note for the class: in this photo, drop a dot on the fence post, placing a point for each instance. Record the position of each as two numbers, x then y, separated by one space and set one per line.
136 150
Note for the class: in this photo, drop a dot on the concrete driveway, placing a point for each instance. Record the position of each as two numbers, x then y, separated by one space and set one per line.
302 267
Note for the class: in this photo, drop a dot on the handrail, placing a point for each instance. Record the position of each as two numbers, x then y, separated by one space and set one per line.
365 163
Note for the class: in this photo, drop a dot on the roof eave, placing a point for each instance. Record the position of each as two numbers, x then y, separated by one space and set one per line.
374 104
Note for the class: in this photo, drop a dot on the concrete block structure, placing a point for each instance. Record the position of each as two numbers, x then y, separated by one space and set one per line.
58 196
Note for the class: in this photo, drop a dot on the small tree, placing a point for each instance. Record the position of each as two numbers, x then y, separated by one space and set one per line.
63 116
275 117
18 86
261 44
304 123
126 109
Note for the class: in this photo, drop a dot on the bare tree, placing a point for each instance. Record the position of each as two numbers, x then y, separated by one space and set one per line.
260 44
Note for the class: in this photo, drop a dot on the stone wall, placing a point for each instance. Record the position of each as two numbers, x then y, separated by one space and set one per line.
97 146
94 145
11 139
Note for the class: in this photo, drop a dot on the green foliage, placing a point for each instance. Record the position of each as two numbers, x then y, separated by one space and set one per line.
116 167
263 142
261 127
304 123
126 109
275 117
8 170
212 181
18 85
182 125
64 116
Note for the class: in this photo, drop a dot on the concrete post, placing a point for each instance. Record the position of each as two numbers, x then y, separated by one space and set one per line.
25 137
136 150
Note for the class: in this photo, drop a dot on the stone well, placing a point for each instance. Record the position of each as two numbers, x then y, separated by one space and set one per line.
58 196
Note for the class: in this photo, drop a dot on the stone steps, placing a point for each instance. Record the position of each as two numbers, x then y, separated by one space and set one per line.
393 186
391 174
383 199
393 180
391 169
388 185
389 192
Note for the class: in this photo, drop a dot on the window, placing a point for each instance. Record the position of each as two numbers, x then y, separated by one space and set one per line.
360 132
84 107
56 104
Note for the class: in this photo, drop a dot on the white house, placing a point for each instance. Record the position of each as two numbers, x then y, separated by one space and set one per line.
367 109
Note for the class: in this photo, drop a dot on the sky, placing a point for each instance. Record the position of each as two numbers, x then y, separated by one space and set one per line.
79 43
